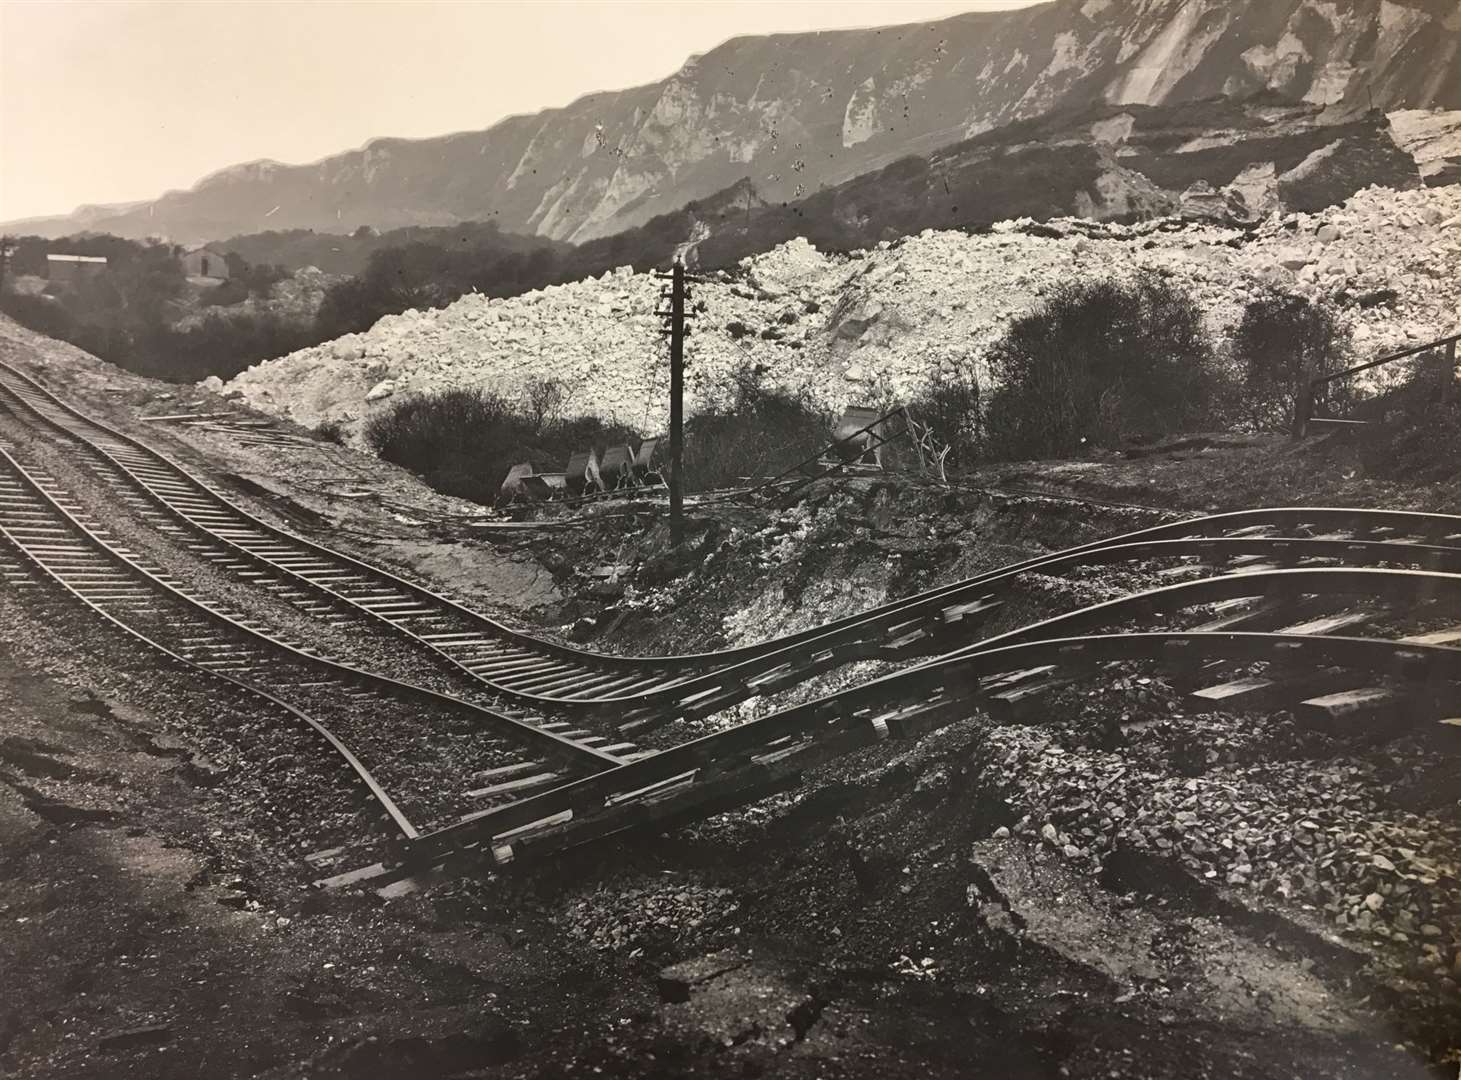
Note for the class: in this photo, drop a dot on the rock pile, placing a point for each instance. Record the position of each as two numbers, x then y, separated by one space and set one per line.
864 326
1307 832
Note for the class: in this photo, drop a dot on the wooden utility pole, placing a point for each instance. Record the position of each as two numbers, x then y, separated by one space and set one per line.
675 329
677 402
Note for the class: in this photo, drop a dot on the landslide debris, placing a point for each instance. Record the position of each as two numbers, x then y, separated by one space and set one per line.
849 328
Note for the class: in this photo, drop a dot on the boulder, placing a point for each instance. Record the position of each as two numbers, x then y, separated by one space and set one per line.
1332 173
380 390
1201 203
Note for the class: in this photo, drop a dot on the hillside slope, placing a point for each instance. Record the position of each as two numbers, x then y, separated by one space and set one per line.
797 112
1218 160
855 328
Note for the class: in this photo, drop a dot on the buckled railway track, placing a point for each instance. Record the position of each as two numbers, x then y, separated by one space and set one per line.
58 544
1347 685
1262 584
537 679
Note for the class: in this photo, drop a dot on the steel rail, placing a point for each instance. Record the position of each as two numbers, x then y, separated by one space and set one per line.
377 791
486 623
921 690
504 671
572 752
761 752
720 689
802 655
922 638
1367 519
1412 586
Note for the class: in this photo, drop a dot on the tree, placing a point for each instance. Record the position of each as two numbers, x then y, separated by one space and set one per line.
1280 343
1098 363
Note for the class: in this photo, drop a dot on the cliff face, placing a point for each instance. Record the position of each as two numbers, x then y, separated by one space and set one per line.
800 112
1215 160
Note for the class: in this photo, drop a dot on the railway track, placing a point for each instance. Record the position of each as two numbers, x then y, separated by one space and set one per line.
544 679
1261 587
1347 685
1262 639
401 741
588 800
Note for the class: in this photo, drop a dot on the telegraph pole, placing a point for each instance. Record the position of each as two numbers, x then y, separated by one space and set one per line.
675 329
677 402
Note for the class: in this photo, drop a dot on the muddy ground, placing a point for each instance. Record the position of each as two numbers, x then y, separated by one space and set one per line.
1071 895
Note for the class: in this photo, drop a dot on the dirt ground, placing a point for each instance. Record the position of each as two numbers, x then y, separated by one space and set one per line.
871 925
994 899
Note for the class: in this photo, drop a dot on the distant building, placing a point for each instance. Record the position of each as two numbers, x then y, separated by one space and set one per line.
69 270
204 262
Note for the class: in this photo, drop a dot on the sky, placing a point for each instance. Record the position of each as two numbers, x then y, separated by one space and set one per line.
111 100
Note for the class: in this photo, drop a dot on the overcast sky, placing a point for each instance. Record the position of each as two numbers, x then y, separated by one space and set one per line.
112 101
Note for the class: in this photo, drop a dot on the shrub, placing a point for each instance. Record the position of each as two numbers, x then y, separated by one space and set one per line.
462 442
41 313
753 431
949 408
1280 343
544 400
440 435
1099 363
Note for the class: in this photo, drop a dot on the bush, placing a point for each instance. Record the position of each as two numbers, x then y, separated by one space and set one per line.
1097 364
41 313
544 400
754 431
949 408
1281 342
462 442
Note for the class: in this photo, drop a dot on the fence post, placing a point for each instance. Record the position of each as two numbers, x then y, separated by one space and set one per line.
1448 388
